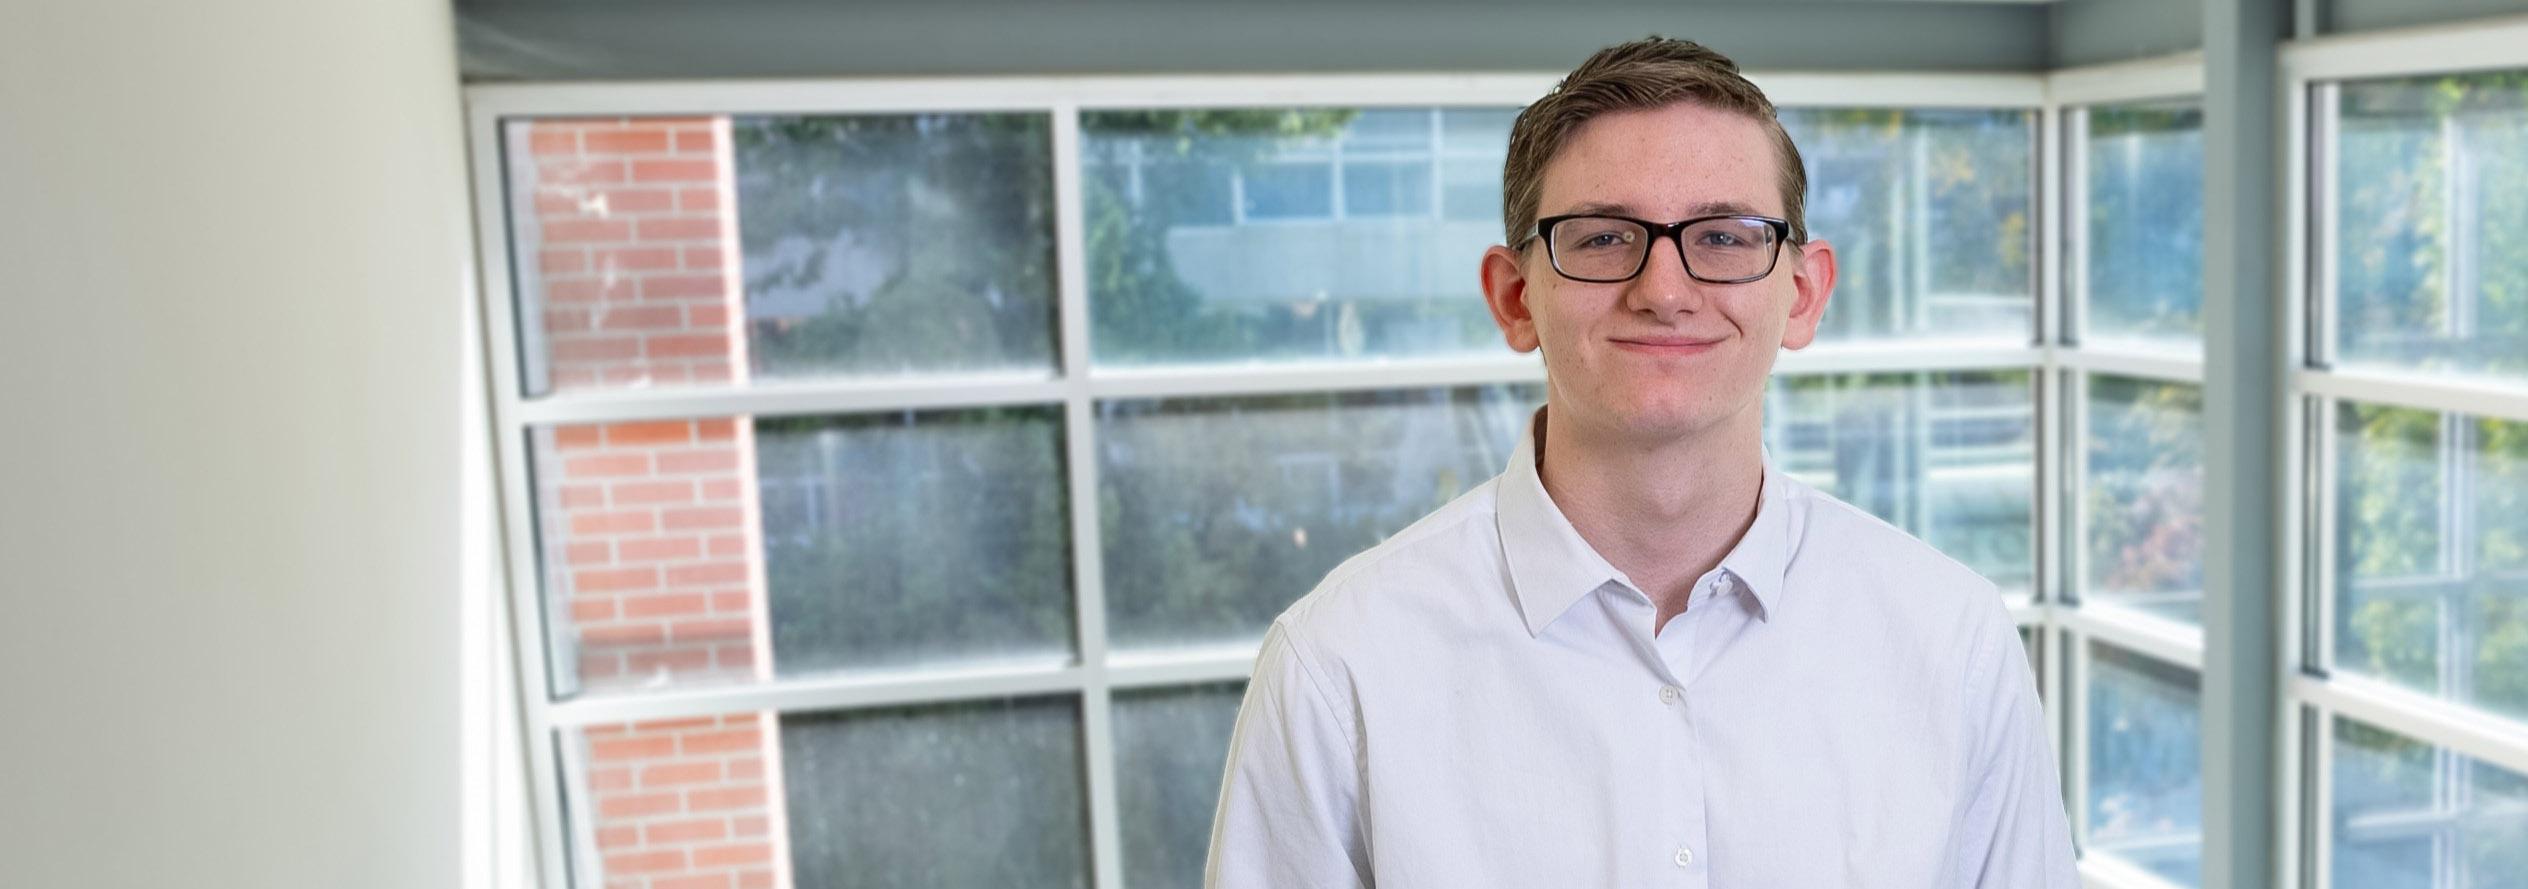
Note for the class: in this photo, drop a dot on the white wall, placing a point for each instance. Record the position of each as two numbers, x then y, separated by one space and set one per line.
234 265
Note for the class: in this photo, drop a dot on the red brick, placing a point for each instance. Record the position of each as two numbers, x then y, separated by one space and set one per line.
707 316
584 170
643 141
631 522
546 141
733 854
695 141
706 573
698 200
714 460
581 497
746 739
594 348
717 429
609 780
736 657
680 773
679 724
622 635
630 493
659 549
638 200
750 825
668 605
649 433
588 552
615 580
701 517
634 747
679 228
588 290
639 318
705 258
636 259
681 661
746 768
568 438
719 489
646 862
711 371
729 602
637 805
593 667
564 260
728 545
713 630
702 881
618 836
675 171
606 466
665 287
687 831
723 798
587 610
587 231
754 879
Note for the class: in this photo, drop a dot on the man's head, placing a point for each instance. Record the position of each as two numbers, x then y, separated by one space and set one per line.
1662 131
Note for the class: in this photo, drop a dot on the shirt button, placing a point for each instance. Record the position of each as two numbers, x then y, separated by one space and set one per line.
1668 694
1685 856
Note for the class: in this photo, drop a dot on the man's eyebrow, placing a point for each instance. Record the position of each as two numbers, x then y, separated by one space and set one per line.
1707 208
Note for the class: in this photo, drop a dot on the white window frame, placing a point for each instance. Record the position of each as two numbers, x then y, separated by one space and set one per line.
2313 697
1076 386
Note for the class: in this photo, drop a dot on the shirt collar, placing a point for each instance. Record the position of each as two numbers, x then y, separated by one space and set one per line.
1551 567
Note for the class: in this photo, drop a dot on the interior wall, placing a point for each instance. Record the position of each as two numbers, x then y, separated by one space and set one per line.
2091 32
2345 16
236 258
570 39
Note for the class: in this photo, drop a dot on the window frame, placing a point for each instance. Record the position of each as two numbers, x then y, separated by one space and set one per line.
552 770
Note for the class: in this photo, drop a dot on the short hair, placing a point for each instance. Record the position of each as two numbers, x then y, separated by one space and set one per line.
1650 73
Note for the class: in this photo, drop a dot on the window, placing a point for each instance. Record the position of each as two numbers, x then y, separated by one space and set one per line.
886 485
2132 572
2414 708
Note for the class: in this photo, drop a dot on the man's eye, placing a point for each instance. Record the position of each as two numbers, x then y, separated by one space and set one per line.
1605 239
1720 239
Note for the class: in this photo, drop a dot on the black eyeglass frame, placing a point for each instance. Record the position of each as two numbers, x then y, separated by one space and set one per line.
1674 232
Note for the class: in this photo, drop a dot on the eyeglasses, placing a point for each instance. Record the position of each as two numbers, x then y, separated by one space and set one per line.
1715 249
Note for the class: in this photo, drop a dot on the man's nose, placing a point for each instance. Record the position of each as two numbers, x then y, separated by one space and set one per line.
1663 289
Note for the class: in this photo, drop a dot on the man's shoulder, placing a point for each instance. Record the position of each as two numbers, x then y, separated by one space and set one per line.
1833 534
1389 587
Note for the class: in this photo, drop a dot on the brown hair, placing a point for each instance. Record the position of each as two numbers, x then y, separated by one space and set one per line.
1653 72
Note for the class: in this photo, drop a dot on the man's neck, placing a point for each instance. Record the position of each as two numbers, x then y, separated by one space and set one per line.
1662 512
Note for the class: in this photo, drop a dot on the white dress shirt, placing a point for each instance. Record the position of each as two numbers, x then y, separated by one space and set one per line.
1480 701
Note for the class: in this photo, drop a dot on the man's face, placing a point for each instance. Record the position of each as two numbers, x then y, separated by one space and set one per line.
1660 356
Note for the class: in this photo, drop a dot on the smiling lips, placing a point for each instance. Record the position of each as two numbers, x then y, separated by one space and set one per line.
1670 346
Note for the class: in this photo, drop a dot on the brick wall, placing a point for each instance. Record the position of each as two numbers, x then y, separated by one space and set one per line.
651 534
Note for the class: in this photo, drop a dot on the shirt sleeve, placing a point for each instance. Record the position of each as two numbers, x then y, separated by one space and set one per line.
2013 833
1289 814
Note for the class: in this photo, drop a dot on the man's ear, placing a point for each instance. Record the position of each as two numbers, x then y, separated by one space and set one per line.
1505 290
1812 283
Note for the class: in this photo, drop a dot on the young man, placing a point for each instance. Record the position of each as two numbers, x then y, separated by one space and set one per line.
1640 656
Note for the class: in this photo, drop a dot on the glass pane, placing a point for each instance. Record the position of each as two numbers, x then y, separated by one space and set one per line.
2432 553
2410 815
1218 513
1170 749
1216 235
982 794
671 550
2145 763
2431 175
1929 212
1949 457
2145 195
671 251
916 538
2143 509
